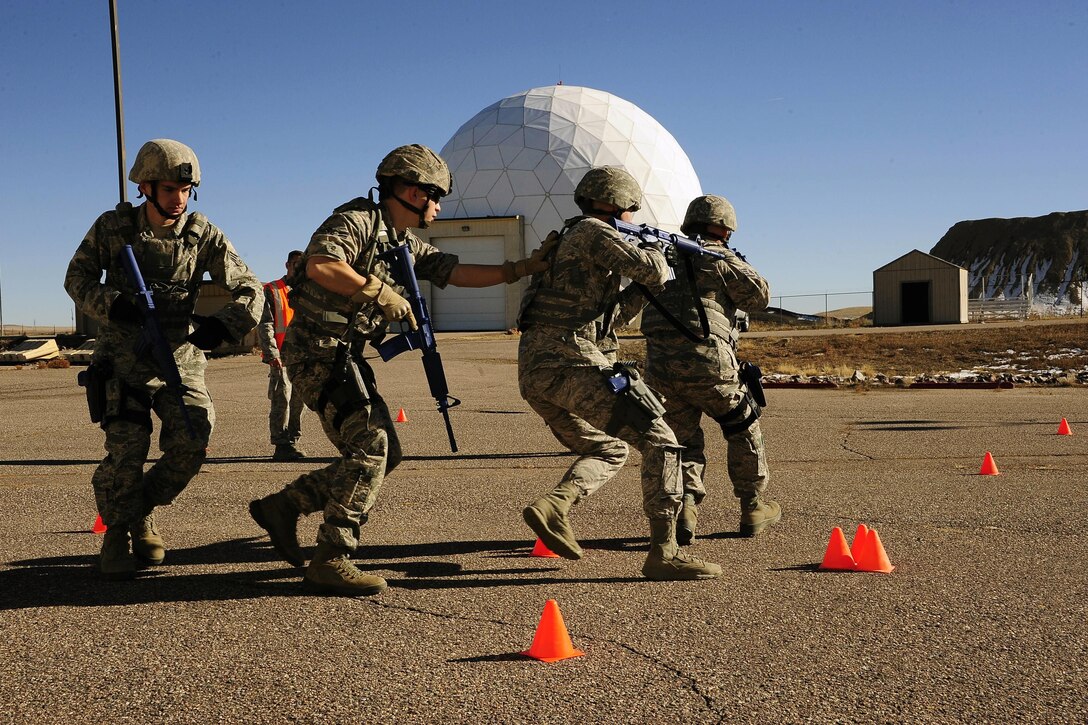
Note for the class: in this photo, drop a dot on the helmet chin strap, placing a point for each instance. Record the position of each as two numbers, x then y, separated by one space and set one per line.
154 199
420 211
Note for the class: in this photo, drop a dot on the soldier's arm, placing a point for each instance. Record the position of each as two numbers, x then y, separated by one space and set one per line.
743 284
602 245
247 294
83 282
266 331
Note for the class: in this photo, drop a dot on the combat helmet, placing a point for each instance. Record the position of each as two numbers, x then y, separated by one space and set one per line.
416 164
163 159
609 185
709 209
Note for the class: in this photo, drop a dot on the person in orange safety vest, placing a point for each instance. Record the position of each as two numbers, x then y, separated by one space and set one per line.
284 419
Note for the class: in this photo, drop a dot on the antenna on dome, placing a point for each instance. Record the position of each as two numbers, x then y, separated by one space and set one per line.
560 75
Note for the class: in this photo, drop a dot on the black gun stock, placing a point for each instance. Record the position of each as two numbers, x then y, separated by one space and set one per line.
400 263
151 338
646 233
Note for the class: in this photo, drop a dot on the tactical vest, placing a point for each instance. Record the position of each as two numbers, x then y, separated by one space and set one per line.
329 312
544 304
281 310
167 266
677 298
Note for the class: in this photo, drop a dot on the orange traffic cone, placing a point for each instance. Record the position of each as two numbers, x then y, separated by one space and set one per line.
551 643
539 549
859 540
1063 428
401 417
872 556
989 468
837 557
98 527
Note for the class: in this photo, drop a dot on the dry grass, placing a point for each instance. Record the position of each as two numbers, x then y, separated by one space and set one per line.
1032 347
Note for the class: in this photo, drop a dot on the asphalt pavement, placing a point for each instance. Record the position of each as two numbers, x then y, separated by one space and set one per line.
983 619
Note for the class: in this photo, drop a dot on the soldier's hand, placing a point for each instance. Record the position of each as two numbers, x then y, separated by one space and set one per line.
124 310
394 307
513 271
209 334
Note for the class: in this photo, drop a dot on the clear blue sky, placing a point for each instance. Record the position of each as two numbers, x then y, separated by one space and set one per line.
845 133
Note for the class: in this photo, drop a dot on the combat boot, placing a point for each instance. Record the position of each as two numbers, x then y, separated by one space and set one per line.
331 572
147 544
286 452
686 521
279 517
547 517
668 562
756 515
115 561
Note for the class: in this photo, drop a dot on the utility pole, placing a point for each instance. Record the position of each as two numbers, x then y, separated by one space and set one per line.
117 105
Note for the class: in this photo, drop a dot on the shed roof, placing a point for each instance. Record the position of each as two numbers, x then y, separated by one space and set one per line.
915 252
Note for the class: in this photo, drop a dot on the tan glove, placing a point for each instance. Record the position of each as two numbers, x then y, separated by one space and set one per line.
513 271
393 306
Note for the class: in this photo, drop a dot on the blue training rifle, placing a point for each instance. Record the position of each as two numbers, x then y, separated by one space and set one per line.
399 259
151 338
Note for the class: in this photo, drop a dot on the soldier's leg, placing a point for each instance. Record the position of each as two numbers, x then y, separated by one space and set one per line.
748 469
662 490
118 493
183 450
683 418
600 456
279 390
294 418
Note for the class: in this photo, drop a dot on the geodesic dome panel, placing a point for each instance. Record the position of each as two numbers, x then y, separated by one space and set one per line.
526 153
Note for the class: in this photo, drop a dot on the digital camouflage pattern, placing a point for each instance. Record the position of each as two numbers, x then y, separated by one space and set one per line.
172 265
355 233
416 164
345 490
708 209
611 185
163 159
562 369
698 378
285 403
369 450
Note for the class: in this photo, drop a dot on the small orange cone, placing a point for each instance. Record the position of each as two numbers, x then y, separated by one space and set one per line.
1063 428
872 556
401 417
837 557
551 643
989 468
539 549
859 540
98 527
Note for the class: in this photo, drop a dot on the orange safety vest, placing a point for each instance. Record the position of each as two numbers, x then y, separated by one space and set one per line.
281 310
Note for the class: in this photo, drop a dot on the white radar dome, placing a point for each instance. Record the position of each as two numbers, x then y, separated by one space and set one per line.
526 153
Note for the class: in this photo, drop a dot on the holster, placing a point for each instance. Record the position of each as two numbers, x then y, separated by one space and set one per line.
637 406
347 390
752 377
94 379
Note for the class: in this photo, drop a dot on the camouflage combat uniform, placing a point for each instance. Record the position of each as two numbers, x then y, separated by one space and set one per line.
562 370
346 490
285 414
173 261
697 378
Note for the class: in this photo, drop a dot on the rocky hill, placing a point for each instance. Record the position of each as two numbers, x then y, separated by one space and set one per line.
1044 257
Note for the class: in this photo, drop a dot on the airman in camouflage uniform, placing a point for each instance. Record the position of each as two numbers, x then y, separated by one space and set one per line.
174 249
563 375
343 291
702 377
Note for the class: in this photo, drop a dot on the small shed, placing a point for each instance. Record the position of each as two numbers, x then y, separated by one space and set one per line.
919 289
